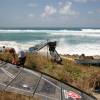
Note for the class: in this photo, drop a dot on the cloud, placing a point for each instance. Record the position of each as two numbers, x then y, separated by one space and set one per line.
66 9
48 11
63 9
82 1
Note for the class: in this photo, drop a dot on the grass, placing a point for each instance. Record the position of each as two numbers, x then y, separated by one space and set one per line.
79 76
14 96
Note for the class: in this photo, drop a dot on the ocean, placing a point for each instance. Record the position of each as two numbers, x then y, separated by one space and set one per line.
69 40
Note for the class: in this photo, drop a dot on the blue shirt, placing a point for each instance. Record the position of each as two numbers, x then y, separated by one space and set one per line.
21 54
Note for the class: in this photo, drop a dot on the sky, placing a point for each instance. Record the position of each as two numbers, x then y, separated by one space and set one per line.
50 13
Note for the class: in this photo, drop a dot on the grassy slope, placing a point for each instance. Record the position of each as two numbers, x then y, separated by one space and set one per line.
13 96
80 76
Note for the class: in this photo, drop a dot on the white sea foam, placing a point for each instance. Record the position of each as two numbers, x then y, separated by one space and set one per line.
90 30
48 31
18 46
77 33
82 32
62 47
15 45
31 31
87 49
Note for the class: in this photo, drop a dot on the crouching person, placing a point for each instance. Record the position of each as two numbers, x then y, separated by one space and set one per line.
21 57
13 54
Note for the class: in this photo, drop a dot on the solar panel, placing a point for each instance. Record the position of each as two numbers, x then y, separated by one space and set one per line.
4 79
25 82
40 86
2 63
12 69
49 88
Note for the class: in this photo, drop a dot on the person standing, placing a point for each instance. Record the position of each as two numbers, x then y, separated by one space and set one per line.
55 56
2 49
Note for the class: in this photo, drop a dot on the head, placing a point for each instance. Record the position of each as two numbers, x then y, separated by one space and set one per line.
3 46
83 55
12 50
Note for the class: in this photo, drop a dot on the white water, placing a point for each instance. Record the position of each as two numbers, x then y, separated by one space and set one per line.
87 41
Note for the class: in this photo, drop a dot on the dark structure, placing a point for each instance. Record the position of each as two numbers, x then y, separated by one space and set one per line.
89 62
52 46
52 49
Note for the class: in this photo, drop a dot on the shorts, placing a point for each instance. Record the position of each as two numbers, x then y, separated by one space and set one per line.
22 61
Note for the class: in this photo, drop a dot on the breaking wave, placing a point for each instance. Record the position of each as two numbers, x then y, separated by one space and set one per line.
62 47
72 41
47 31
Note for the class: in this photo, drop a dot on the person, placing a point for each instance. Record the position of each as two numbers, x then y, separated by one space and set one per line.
82 56
2 49
13 53
52 46
21 57
53 52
